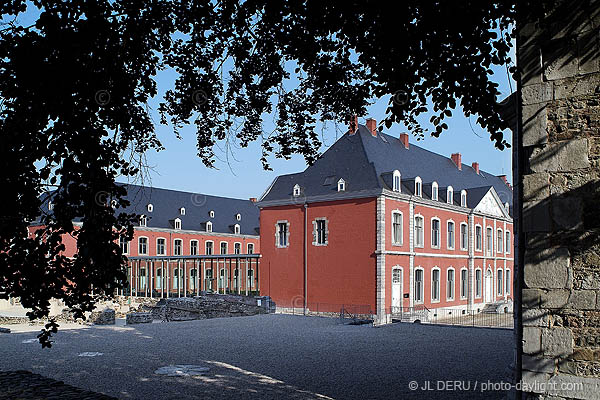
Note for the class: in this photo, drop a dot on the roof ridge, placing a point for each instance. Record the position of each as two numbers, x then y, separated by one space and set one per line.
180 191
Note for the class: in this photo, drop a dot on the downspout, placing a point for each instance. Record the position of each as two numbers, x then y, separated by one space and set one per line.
305 257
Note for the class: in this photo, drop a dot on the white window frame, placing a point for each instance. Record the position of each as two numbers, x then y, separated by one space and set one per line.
435 192
238 216
507 242
500 282
401 241
315 232
453 283
158 278
463 198
237 250
209 227
197 247
211 214
177 224
439 286
150 207
397 184
182 211
143 221
466 294
418 186
465 245
450 195
206 247
508 284
421 293
499 243
287 234
221 247
126 243
248 248
164 253
448 236
147 245
416 233
236 229
478 295
175 247
439 235
480 248
341 185
489 250
296 190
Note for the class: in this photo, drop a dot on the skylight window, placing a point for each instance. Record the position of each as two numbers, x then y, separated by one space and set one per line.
329 180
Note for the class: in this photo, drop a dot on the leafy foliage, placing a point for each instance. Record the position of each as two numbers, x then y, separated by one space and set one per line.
74 89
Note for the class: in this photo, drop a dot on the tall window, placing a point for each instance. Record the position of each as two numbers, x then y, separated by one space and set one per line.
450 234
320 232
507 241
418 187
489 240
193 247
282 234
177 223
143 245
341 186
397 228
450 195
499 241
464 236
222 279
250 279
250 248
508 282
477 283
463 198
158 278
435 233
296 191
223 247
237 248
419 231
418 285
396 183
209 248
434 191
478 238
236 229
435 285
178 247
464 283
209 226
160 247
124 244
499 276
176 278
450 284
193 277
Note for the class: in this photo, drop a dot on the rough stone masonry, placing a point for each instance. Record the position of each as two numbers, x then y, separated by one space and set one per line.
559 231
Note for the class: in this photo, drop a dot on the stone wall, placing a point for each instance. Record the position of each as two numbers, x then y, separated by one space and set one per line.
559 157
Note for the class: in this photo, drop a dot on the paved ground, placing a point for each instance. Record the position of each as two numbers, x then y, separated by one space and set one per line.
270 356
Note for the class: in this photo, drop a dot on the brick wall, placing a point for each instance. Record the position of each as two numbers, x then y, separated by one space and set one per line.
559 159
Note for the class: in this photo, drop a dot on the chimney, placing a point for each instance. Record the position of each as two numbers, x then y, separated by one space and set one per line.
503 177
475 166
404 139
456 157
252 199
372 126
353 125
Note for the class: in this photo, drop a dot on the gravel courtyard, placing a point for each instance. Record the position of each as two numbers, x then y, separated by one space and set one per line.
270 357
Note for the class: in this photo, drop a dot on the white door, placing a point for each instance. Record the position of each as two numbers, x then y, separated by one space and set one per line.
396 288
489 286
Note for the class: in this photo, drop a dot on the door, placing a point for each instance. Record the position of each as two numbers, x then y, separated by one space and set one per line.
396 289
489 286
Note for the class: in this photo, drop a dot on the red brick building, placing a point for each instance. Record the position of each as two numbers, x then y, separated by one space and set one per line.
387 225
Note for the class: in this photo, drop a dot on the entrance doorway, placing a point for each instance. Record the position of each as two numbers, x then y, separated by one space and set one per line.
396 288
489 286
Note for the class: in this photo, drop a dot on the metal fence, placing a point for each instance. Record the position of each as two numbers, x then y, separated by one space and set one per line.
453 316
357 313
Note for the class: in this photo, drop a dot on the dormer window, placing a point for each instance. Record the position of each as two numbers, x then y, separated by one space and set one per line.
211 214
238 217
296 190
463 198
236 229
182 211
50 206
209 226
418 187
449 195
177 223
113 203
507 206
143 220
341 185
150 207
434 191
396 181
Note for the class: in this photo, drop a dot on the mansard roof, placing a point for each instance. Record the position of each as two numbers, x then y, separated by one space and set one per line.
366 162
167 204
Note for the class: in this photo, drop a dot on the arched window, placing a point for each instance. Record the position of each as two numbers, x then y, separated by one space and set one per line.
251 283
209 226
182 211
507 249
419 285
450 195
237 248
434 191
435 232
250 248
143 220
124 244
464 236
160 247
508 282
211 214
222 278
435 284
450 284
463 198
490 240
150 208
238 217
499 275
478 283
341 186
499 240
177 247
209 247
396 181
236 229
478 237
158 278
450 235
177 223
418 187
296 191
193 277
223 247
193 247
397 228
142 245
419 231
464 283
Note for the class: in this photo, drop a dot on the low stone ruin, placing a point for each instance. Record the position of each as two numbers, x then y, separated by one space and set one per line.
104 317
138 318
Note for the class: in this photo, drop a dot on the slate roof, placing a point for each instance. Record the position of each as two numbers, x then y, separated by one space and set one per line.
367 162
167 203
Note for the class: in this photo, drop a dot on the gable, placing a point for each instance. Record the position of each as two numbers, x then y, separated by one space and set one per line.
490 204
